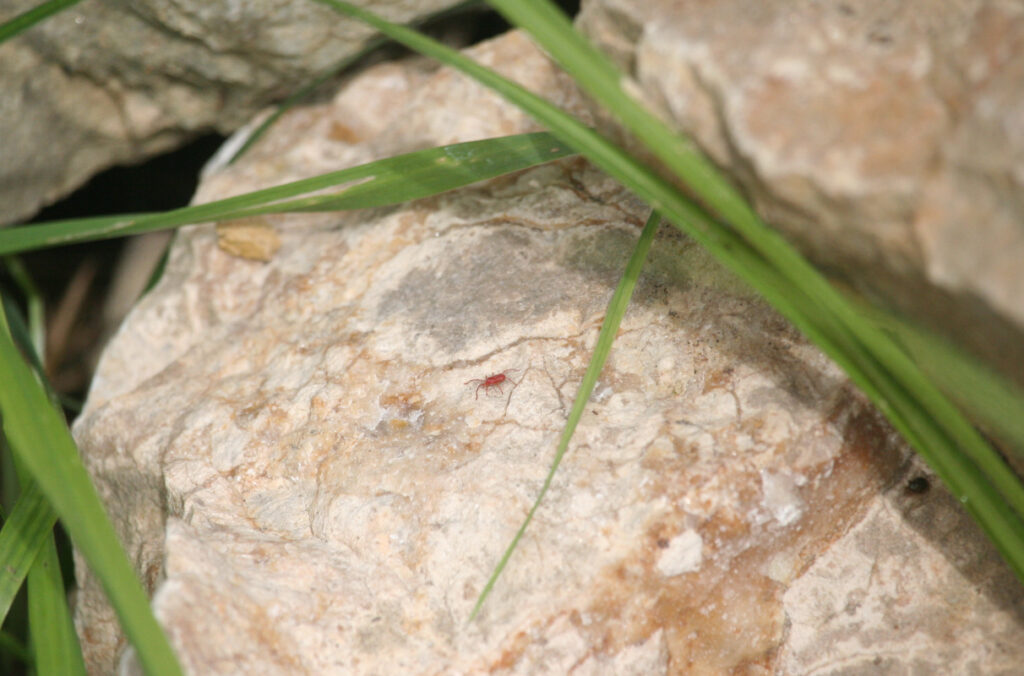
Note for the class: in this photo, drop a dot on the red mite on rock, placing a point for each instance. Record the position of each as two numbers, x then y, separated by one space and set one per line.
495 380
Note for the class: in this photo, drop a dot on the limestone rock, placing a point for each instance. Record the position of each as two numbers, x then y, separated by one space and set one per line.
885 138
305 478
109 82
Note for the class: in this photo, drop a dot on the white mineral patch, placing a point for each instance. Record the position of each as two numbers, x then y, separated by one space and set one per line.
683 554
780 497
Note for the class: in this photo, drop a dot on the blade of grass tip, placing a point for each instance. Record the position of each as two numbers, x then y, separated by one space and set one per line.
386 183
609 329
36 319
39 439
20 331
21 539
27 335
29 18
53 641
595 72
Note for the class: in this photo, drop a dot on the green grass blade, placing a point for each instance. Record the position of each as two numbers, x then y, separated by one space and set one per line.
23 335
609 329
27 19
21 539
36 321
39 439
457 166
384 182
763 258
990 398
27 546
54 644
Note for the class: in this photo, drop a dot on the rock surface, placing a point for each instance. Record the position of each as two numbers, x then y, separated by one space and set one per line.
879 601
885 138
305 477
108 82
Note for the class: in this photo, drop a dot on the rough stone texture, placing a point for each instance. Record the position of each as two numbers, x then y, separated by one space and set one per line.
885 138
109 82
304 476
876 603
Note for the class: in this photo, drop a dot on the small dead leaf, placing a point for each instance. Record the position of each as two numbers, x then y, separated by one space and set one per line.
250 238
342 132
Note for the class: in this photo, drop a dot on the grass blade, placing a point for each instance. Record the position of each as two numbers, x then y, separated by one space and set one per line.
35 324
53 640
40 440
609 329
990 398
52 637
388 181
24 332
27 19
21 539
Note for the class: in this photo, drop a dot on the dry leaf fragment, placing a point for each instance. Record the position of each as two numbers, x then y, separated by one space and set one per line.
251 238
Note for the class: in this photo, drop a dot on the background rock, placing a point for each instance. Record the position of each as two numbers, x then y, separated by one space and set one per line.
109 82
305 478
885 139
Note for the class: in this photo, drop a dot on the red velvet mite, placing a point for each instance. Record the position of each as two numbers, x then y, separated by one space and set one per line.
495 380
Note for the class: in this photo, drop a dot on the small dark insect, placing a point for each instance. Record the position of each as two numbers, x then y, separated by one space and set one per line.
495 380
918 485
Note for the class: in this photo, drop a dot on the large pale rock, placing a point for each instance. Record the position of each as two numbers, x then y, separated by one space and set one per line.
310 482
108 82
885 138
